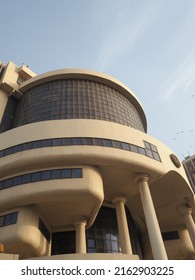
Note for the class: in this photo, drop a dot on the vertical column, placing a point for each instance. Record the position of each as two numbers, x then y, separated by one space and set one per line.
119 202
186 212
80 235
155 236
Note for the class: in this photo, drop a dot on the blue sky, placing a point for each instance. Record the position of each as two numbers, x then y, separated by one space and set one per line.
149 45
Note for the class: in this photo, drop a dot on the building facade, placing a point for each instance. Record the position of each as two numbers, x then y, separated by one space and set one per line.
189 166
80 178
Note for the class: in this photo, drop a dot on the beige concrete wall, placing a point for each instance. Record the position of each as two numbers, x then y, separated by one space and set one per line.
91 256
74 197
180 249
92 128
24 237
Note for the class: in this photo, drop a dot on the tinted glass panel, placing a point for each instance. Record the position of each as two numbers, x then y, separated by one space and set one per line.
75 99
1 220
67 173
56 174
76 173
46 175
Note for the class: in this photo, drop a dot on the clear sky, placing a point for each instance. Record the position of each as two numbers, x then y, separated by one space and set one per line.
149 45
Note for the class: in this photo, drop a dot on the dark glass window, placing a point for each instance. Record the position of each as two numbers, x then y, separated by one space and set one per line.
141 151
116 144
152 151
1 185
46 175
107 143
57 142
41 175
88 141
67 141
9 113
2 154
171 235
27 146
44 230
56 174
63 243
125 146
77 173
67 173
8 183
26 178
98 142
17 180
149 151
47 143
77 141
8 219
134 148
102 236
1 220
83 99
37 144
18 148
36 176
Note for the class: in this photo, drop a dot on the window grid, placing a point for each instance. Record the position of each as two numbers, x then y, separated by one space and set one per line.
149 150
8 219
76 99
41 176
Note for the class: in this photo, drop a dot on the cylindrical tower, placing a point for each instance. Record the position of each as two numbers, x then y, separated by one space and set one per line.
74 149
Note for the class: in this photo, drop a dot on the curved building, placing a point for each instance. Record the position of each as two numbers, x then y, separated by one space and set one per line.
80 178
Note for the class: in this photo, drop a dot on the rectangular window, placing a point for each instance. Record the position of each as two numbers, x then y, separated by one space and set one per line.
57 142
1 220
134 148
66 173
156 156
107 143
67 141
46 175
2 153
37 144
26 178
27 146
56 174
125 146
8 183
47 143
77 141
18 148
44 230
1 185
10 219
116 144
88 141
77 173
141 151
36 176
98 142
149 153
17 180
170 235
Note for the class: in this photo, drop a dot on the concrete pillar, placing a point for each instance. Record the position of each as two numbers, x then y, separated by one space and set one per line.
186 212
157 244
80 224
119 202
